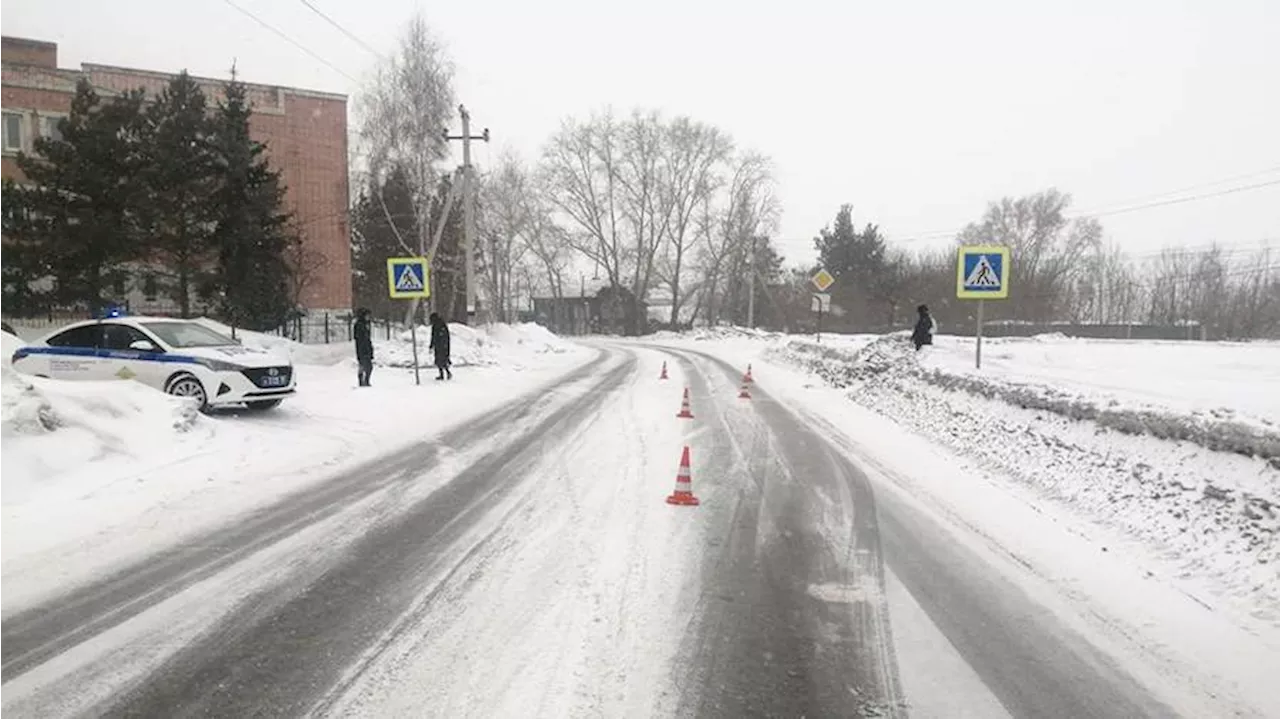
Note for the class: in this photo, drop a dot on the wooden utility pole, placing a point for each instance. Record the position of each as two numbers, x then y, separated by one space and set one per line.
468 204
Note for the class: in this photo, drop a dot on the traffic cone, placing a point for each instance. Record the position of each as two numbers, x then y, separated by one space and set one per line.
743 393
747 378
685 413
664 371
683 493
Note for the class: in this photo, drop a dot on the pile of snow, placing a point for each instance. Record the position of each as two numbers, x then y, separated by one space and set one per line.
50 426
496 345
1202 486
297 352
718 333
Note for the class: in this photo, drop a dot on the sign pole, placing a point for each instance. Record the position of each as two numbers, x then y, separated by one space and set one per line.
413 335
978 356
819 321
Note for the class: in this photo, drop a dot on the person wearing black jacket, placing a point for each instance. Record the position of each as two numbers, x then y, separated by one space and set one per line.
440 345
364 346
925 327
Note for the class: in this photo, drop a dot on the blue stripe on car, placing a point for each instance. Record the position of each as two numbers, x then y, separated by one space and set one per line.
107 354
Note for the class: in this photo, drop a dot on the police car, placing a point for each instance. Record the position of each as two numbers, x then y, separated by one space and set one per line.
180 357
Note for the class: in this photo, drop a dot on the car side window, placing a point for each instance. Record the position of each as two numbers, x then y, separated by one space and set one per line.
119 337
88 336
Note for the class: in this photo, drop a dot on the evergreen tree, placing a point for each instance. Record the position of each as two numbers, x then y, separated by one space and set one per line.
858 262
77 218
252 232
374 238
182 177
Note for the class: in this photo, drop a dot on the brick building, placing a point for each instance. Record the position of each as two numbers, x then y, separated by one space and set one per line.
305 132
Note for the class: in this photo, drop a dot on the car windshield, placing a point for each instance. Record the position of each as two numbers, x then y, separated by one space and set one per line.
187 334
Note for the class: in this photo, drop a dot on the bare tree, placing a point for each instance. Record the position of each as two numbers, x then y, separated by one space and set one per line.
581 174
749 210
1047 248
504 224
405 110
696 155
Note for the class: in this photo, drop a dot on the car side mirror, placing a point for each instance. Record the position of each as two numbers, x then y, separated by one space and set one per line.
142 346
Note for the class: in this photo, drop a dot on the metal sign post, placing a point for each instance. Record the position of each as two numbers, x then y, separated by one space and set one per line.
409 278
977 360
982 273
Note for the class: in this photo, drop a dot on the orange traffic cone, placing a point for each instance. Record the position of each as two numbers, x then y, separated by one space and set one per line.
744 394
664 371
746 378
685 413
683 493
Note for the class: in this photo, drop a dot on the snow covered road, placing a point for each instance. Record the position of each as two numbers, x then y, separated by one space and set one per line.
525 564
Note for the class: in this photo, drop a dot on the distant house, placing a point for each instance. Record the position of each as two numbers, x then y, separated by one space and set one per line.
611 310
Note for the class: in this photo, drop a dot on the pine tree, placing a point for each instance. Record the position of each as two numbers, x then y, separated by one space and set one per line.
858 262
252 232
77 220
375 238
182 178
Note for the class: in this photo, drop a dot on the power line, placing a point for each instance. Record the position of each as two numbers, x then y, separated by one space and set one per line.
914 237
342 29
291 41
1180 200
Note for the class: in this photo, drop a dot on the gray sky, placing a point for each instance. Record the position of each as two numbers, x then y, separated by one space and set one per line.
918 112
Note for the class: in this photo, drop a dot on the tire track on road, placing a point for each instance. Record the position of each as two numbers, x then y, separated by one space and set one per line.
277 662
36 634
794 620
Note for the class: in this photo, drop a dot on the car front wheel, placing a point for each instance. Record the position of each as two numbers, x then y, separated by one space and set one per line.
186 385
262 404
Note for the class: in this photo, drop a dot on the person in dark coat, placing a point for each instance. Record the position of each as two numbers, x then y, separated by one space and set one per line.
440 345
925 327
364 346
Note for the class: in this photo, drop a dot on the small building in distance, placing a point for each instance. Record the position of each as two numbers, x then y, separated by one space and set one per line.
305 132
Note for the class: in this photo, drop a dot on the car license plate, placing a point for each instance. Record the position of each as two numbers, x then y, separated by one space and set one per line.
277 381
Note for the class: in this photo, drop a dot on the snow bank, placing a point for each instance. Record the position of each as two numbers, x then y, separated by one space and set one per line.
497 345
707 334
298 353
1204 488
50 427
1219 428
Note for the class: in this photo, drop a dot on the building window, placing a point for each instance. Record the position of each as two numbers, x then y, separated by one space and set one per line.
149 289
49 127
118 285
12 131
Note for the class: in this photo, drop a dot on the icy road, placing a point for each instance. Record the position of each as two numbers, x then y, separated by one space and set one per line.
525 564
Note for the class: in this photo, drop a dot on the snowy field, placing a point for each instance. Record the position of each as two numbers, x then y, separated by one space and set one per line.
98 474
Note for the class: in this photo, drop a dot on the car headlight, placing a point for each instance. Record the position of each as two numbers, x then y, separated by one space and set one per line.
218 365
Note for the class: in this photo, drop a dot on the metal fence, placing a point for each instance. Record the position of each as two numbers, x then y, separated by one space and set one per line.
330 327
316 328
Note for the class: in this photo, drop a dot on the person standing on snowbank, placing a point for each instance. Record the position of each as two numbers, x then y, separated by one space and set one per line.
926 325
440 345
363 335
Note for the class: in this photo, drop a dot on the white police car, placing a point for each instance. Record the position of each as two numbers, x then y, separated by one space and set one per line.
181 357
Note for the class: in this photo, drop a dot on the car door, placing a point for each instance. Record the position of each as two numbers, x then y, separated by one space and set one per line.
121 361
73 353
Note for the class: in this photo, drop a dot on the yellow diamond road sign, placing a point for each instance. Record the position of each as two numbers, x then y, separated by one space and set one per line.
822 280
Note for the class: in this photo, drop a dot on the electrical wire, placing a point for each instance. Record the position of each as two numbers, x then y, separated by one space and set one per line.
291 41
352 36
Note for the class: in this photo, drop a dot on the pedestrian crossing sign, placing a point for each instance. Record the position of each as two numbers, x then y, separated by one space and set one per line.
982 273
408 277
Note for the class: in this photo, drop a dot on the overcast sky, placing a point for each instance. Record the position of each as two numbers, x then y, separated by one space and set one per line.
916 112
